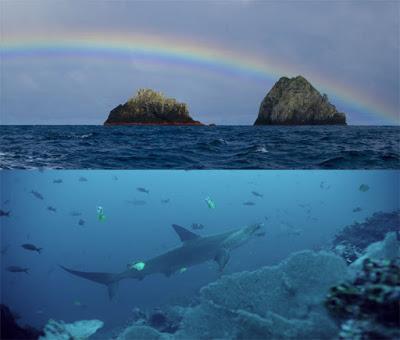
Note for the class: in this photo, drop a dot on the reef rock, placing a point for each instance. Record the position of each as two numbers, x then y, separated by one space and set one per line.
137 332
352 241
280 302
78 330
150 108
388 249
294 101
368 306
9 329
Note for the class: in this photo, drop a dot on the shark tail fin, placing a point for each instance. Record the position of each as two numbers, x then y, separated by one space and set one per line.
109 279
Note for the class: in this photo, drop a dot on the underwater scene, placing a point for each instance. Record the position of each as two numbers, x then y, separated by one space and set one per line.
200 254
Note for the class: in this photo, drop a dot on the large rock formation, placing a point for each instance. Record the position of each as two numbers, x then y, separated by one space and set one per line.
278 302
296 102
150 108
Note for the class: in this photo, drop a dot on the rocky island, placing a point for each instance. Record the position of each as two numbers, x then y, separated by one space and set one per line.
149 107
294 101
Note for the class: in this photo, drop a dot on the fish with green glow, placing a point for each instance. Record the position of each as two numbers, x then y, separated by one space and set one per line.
210 203
100 214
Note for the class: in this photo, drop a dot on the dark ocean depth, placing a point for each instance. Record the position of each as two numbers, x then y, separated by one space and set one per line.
222 147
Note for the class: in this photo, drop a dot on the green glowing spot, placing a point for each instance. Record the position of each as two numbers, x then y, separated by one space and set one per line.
100 214
137 265
182 270
210 203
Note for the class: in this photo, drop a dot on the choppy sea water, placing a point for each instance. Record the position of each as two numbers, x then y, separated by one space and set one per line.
57 211
221 147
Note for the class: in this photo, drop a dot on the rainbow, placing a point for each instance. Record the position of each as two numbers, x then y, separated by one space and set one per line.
185 53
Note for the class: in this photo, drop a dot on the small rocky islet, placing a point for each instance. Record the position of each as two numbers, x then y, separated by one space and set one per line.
291 101
149 107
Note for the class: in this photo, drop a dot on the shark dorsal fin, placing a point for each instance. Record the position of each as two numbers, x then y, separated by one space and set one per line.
184 234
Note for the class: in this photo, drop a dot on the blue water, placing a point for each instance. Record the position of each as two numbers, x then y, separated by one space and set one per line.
225 147
314 204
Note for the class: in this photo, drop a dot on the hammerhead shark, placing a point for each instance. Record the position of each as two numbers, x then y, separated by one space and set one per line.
194 250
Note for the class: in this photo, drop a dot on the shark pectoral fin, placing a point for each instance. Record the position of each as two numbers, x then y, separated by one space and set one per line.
168 273
112 289
222 258
184 234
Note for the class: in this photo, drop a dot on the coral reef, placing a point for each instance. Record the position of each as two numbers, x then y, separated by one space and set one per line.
157 324
388 249
283 301
149 107
78 330
369 305
9 329
296 102
137 332
352 240
310 295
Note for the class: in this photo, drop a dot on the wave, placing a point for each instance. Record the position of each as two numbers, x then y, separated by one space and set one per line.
225 147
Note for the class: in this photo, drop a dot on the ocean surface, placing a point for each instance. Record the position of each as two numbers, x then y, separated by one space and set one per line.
221 147
58 212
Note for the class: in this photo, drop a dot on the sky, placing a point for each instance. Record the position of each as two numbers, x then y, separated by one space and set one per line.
71 62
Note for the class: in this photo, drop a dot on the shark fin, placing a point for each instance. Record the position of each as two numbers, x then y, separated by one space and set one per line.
168 273
184 234
108 279
112 289
222 258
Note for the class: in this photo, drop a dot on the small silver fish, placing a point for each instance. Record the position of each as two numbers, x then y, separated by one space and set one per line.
17 269
257 194
4 213
136 202
31 247
37 194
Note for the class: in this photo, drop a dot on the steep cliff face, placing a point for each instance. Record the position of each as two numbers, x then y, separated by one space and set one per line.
294 101
148 107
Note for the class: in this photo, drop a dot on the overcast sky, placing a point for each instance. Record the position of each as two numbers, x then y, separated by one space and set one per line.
351 43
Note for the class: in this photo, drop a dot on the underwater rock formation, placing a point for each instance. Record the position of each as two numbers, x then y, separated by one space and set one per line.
150 108
310 295
352 240
277 302
9 329
388 249
294 101
284 301
66 331
137 332
368 306
158 324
